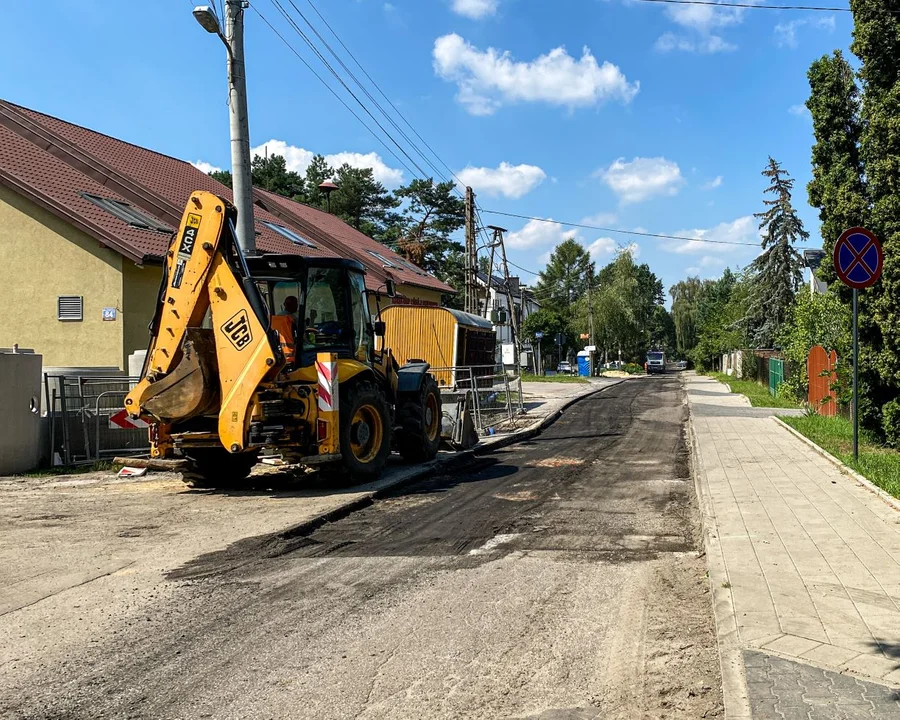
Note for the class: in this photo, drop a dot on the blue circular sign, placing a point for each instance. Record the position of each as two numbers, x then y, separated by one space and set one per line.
858 258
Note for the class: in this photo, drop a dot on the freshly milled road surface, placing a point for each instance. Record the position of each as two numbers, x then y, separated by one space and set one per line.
559 578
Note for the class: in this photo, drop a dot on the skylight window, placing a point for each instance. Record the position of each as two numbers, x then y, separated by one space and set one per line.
289 234
128 213
384 260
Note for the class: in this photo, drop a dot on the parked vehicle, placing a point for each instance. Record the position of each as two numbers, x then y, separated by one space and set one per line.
656 362
564 368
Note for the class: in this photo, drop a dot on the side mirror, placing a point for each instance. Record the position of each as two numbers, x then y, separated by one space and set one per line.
379 328
390 288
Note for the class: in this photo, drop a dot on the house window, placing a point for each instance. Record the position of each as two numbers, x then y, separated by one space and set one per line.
289 234
69 307
127 213
384 260
413 269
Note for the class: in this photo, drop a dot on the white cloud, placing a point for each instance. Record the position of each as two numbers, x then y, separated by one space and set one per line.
692 271
701 23
713 184
786 33
704 44
799 110
601 247
298 159
703 18
744 230
512 181
600 219
487 79
536 233
475 9
206 167
642 178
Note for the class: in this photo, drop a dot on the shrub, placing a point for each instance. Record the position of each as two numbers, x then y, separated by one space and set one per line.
633 369
890 422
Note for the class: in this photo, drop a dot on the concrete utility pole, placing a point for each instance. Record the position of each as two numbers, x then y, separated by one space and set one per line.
241 178
471 304
513 321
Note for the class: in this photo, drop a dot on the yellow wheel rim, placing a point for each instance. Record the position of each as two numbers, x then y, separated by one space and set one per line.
366 433
432 417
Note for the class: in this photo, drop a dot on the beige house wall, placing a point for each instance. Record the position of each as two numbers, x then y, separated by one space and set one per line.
42 257
140 290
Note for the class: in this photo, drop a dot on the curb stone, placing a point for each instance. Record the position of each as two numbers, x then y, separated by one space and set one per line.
424 470
845 469
735 694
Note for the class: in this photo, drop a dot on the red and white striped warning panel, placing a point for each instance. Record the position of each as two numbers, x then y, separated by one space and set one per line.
327 385
121 421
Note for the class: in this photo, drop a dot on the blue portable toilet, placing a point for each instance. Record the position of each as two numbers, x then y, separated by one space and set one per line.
584 363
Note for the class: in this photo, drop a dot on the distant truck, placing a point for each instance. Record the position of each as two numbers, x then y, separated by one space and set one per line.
656 362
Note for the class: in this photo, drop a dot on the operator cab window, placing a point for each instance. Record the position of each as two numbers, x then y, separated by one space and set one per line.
326 312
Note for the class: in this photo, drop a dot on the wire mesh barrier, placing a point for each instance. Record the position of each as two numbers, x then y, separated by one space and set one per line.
495 397
87 419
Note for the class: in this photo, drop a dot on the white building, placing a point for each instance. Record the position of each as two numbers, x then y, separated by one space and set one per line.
524 304
813 258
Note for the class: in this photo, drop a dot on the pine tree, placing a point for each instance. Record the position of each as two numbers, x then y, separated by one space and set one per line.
270 173
777 270
837 188
362 201
431 215
564 280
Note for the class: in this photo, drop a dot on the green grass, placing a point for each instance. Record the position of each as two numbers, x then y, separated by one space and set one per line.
758 395
878 464
554 378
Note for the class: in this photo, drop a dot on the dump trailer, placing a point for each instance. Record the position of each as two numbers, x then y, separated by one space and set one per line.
273 352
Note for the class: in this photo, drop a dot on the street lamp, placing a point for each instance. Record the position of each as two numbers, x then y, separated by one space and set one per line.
206 16
328 187
241 179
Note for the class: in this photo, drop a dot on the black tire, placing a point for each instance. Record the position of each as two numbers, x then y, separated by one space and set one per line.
365 447
419 421
218 468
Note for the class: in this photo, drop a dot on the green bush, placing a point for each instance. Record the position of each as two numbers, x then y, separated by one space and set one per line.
633 369
890 422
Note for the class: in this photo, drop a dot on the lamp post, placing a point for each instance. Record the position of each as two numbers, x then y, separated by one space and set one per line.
241 178
327 187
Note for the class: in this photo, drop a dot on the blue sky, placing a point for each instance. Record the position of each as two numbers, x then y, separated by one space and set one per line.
624 114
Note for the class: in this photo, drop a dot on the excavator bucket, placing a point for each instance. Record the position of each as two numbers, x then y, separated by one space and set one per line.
192 387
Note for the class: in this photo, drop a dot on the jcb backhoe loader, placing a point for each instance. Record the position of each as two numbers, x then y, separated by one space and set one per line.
273 351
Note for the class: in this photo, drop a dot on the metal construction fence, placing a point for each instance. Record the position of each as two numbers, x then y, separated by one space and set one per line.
87 419
494 396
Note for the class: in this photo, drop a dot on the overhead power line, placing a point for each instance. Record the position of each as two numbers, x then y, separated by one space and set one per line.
749 6
625 232
332 90
346 87
387 99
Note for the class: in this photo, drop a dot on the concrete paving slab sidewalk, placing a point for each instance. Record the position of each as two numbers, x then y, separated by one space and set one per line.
804 567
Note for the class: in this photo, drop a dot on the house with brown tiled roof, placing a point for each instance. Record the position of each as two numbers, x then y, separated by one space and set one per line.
85 220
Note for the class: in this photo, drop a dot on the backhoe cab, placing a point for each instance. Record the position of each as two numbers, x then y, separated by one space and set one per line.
273 352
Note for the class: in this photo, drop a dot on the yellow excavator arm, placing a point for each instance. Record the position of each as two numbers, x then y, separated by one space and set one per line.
210 346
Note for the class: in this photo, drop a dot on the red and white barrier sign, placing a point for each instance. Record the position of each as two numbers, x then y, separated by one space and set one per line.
121 421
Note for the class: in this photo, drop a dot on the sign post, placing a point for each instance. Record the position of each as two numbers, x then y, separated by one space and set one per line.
858 261
539 363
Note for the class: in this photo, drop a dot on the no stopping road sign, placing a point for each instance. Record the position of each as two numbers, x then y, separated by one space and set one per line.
858 258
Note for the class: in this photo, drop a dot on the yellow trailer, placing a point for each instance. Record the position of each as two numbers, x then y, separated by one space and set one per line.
442 337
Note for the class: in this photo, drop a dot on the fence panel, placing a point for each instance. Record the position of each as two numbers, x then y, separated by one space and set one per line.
776 374
79 415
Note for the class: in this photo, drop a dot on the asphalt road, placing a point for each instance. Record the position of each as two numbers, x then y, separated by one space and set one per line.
558 578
